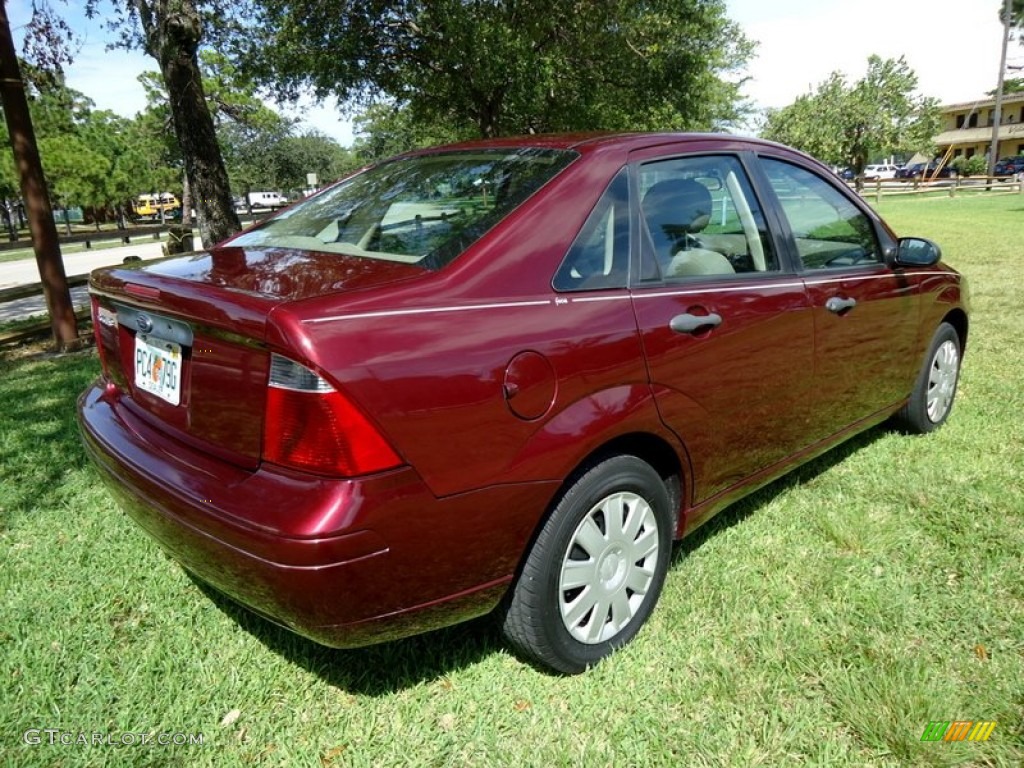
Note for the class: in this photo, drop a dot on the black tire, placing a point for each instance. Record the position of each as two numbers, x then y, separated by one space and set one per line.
931 400
621 567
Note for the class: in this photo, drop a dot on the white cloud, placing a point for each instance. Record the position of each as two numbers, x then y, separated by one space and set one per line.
325 117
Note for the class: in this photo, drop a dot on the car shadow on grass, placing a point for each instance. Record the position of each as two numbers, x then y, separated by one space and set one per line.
390 667
375 670
739 511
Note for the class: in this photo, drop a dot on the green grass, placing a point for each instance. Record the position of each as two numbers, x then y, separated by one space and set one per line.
823 621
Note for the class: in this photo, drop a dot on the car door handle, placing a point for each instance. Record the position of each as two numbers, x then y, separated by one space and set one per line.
687 323
838 305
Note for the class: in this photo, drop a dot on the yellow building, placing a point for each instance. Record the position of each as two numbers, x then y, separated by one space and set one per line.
967 128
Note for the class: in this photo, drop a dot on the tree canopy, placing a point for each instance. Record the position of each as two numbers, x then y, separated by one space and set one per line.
424 71
90 157
850 124
511 66
96 159
172 32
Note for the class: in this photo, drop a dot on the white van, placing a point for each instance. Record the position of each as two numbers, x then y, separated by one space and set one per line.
267 199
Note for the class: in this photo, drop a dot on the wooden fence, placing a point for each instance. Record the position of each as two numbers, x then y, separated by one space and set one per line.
989 185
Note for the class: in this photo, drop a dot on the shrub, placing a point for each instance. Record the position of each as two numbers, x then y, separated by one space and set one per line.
970 166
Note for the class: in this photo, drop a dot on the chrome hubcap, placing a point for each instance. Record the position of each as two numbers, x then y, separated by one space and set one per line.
942 378
608 567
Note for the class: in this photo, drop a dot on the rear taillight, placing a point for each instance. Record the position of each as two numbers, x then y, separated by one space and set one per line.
311 426
97 332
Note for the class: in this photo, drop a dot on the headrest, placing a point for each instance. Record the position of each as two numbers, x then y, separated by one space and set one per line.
682 204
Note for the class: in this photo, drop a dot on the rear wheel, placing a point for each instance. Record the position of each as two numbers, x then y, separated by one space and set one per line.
596 569
932 399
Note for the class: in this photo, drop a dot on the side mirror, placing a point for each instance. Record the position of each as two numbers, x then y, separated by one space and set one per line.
917 252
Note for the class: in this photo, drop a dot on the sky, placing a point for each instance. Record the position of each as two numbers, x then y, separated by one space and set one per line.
952 45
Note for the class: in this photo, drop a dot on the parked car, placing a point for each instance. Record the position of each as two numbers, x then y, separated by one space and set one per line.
926 171
1009 166
880 171
504 376
266 199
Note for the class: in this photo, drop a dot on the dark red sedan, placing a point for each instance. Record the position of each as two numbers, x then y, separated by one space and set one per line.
506 375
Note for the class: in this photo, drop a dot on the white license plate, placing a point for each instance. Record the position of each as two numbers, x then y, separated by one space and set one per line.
158 367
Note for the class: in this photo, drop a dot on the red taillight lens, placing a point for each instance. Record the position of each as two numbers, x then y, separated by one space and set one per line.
97 332
311 426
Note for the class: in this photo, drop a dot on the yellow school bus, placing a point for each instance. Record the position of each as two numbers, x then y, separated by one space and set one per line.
146 207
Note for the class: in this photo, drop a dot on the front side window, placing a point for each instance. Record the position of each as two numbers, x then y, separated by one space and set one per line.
829 230
424 209
702 219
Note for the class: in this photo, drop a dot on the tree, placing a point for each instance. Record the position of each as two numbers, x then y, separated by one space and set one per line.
844 124
385 130
171 32
90 158
1016 13
311 152
1010 85
33 190
511 66
75 173
259 146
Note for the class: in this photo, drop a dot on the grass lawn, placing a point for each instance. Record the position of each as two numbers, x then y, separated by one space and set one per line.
824 621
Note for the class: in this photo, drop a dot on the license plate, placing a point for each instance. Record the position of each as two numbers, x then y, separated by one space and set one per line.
158 367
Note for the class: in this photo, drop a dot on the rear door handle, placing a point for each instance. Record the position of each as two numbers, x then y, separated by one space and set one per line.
692 323
838 305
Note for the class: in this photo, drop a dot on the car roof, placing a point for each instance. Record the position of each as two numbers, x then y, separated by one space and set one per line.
585 142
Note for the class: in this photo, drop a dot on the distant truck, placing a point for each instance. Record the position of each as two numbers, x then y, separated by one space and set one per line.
267 200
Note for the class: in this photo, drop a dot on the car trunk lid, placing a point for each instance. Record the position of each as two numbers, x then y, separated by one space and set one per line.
184 339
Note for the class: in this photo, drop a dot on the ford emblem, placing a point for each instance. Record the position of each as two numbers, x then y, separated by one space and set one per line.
144 323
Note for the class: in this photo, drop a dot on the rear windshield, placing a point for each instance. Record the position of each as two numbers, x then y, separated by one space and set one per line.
424 210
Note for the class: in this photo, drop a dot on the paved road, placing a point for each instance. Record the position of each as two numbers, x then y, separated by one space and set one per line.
14 273
25 271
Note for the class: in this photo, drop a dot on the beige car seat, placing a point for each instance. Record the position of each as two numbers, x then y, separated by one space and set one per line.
676 210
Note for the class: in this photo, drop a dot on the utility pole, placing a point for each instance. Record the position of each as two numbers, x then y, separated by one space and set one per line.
993 152
34 192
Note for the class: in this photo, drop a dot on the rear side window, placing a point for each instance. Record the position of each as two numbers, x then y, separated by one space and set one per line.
424 209
599 256
829 230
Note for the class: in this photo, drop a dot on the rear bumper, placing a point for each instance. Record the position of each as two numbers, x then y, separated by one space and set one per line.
343 562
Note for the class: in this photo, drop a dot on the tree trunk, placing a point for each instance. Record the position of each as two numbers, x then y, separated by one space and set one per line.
489 116
186 203
34 192
173 30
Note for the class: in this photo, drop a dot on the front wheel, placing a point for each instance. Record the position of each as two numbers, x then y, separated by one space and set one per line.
932 398
596 570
